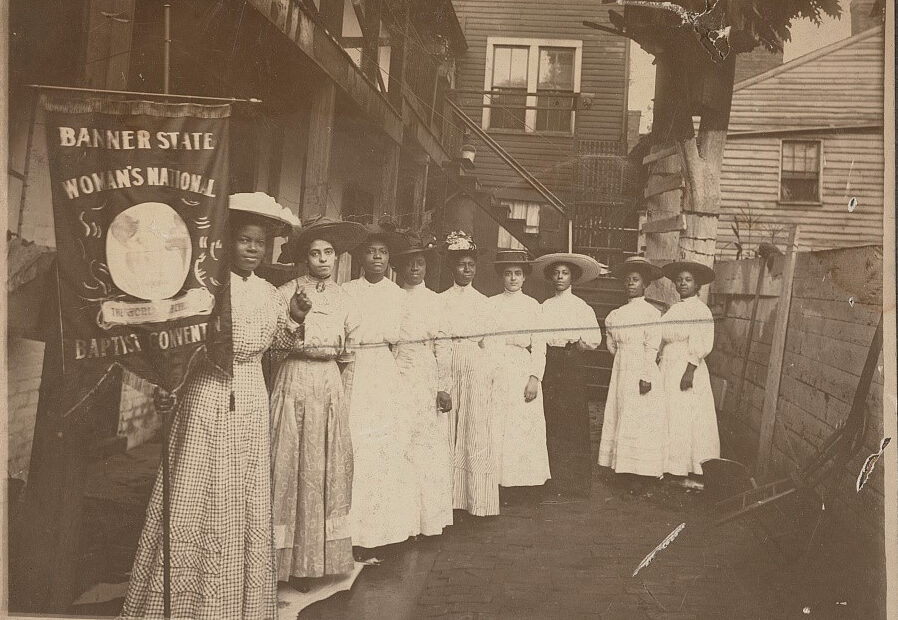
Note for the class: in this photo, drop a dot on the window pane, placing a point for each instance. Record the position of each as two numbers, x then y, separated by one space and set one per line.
510 66
507 109
800 171
556 69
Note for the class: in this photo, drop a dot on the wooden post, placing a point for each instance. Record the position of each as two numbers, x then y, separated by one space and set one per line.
318 152
762 268
389 178
777 352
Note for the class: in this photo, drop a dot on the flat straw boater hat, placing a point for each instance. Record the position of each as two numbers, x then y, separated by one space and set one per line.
261 205
512 257
386 230
702 273
590 268
344 236
638 264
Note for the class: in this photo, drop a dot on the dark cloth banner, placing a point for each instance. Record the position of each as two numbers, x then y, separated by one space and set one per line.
140 201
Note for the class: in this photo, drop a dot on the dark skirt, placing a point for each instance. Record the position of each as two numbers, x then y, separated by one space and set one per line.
567 421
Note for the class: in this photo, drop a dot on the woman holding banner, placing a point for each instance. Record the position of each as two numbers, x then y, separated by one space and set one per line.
220 528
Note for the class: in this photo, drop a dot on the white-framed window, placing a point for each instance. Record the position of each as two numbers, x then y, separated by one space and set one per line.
531 84
800 168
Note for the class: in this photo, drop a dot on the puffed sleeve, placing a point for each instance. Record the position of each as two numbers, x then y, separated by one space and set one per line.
590 332
537 343
701 334
651 342
486 326
610 342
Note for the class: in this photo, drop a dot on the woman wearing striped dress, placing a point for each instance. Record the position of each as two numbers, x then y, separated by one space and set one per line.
475 476
221 559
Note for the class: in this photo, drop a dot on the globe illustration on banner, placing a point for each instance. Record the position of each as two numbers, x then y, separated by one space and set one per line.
148 251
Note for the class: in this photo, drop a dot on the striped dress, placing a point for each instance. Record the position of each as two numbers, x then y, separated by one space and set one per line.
221 554
475 475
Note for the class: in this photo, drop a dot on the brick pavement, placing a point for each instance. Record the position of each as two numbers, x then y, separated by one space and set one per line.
575 559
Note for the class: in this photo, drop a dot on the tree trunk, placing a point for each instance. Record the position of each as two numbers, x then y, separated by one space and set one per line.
690 84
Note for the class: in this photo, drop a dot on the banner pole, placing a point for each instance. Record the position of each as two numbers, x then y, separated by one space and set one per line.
166 426
137 93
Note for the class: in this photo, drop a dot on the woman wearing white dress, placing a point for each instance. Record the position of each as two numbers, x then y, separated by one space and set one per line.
466 311
519 351
634 430
687 337
384 498
571 329
423 355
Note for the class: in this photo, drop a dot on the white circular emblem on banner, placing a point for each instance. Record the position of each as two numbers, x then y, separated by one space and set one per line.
148 251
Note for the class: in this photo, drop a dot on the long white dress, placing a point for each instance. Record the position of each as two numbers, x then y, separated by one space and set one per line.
475 476
634 431
687 337
424 355
519 427
384 498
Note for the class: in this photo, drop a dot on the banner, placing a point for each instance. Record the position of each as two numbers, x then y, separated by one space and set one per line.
140 201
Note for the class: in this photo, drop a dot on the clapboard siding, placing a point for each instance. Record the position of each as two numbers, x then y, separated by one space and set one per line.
852 168
603 75
841 84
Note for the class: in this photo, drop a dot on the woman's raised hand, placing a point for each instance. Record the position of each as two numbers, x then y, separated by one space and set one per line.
300 304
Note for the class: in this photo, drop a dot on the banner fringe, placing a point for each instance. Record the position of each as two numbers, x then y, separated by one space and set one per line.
98 105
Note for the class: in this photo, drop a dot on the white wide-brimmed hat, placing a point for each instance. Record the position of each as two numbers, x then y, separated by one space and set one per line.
590 268
260 204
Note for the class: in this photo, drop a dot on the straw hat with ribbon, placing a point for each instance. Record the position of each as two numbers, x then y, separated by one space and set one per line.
702 273
512 257
344 236
589 268
261 205
638 264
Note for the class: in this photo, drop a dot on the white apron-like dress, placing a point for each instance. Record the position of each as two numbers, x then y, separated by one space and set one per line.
221 556
475 475
519 427
687 336
384 498
424 355
634 431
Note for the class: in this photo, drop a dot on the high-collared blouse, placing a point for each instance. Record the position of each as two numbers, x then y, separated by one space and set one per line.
467 313
518 323
423 326
567 318
379 307
636 328
328 322
689 325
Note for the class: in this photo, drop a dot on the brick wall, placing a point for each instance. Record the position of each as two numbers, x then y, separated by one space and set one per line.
138 420
836 302
756 62
25 360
